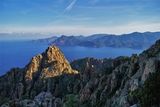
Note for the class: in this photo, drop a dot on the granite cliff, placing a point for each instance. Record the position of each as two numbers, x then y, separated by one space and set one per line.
35 77
49 81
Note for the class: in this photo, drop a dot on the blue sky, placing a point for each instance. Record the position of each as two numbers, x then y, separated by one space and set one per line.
79 16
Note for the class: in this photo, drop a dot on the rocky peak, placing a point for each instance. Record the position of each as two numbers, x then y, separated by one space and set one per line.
153 51
51 63
53 53
119 82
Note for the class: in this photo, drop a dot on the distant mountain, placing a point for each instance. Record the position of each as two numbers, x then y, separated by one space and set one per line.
134 40
46 40
22 36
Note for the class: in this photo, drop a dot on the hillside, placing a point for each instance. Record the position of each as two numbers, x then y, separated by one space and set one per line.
49 81
134 40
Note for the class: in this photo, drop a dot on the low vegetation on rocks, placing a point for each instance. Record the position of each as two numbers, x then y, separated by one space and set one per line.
50 81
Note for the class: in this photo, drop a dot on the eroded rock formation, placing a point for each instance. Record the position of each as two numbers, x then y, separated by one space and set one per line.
49 81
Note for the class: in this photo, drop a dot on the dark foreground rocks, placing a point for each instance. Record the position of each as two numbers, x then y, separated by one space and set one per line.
50 81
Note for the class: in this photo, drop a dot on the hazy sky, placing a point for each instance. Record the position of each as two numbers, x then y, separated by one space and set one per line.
79 16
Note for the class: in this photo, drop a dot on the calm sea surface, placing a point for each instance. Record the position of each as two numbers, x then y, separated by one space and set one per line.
19 53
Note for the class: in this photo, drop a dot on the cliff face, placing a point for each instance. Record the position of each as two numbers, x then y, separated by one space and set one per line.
49 81
48 64
35 77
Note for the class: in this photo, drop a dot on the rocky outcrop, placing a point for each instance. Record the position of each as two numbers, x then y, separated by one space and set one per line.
49 81
48 64
36 76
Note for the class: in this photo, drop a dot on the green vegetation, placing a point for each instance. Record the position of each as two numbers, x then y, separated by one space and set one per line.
3 100
149 95
71 101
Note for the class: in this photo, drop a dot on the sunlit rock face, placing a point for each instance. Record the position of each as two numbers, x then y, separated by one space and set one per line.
51 63
36 77
49 81
45 66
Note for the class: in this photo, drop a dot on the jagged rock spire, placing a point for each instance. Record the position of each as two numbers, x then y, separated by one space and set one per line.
51 63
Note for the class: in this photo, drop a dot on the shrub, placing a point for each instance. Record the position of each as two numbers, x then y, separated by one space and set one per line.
71 101
149 95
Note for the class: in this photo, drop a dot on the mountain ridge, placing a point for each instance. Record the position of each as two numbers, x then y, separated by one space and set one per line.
120 82
135 40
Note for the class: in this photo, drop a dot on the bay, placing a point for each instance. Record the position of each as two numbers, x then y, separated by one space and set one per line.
19 53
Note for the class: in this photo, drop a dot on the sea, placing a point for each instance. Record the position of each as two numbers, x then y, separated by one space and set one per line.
19 53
